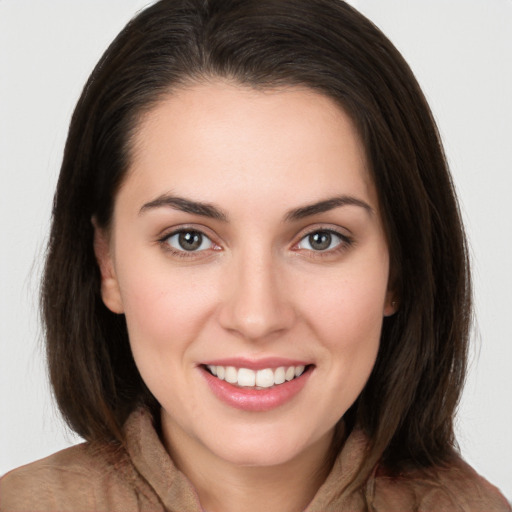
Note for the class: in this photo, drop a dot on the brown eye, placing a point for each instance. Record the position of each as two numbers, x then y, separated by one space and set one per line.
189 241
322 240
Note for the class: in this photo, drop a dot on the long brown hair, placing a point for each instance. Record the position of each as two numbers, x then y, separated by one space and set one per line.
408 404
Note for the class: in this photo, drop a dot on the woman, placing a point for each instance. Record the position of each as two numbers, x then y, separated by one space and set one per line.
256 294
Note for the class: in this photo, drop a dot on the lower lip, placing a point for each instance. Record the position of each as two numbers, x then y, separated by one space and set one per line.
255 400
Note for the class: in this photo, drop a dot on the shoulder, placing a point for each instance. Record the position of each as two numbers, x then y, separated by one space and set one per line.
83 477
455 487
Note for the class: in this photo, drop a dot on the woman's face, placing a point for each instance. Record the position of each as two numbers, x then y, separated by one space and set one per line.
247 243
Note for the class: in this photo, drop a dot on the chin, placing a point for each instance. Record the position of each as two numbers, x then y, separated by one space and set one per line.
260 449
258 457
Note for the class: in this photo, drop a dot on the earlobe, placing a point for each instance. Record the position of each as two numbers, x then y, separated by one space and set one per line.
109 285
392 304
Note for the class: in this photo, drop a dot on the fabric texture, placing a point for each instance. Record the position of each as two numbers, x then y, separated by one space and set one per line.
142 477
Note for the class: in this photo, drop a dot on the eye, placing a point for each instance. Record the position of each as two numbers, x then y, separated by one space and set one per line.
189 240
321 240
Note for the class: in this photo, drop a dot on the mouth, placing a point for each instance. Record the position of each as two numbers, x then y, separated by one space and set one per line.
262 379
256 386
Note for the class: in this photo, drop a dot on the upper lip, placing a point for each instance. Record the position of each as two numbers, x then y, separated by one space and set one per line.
256 364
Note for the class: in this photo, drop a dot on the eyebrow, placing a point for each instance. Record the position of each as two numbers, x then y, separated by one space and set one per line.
187 206
213 212
327 205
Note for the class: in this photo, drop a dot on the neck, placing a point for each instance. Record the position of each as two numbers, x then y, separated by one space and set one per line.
225 487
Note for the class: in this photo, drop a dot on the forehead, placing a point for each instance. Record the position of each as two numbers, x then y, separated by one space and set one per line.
215 139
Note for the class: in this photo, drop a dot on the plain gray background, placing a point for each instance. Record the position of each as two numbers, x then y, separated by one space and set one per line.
461 53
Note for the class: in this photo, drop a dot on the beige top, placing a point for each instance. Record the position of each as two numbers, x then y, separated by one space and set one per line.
99 477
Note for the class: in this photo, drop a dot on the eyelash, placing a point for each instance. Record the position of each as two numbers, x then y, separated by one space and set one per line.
164 242
344 243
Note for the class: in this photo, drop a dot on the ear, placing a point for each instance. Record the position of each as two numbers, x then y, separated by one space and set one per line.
391 305
392 302
109 285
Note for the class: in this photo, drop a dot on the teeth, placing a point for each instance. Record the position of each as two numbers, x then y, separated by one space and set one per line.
246 377
279 375
265 378
231 375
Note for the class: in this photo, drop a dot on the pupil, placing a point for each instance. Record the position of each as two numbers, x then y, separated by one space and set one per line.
190 240
320 241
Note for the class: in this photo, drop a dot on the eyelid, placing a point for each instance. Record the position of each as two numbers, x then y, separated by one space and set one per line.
306 239
343 233
204 240
345 240
180 228
166 234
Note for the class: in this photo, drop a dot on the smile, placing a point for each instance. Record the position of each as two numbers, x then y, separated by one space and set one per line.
256 379
264 387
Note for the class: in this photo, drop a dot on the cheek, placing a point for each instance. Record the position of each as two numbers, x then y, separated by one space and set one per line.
165 312
349 308
350 331
163 307
346 316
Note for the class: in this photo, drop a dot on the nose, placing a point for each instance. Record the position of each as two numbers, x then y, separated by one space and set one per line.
256 303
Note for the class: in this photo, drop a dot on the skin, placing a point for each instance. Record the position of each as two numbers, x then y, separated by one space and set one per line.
256 287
